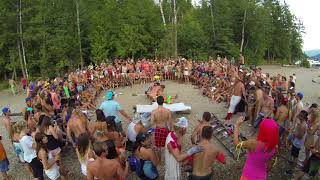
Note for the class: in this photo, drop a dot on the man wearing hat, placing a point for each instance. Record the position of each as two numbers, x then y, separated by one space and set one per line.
110 107
7 121
173 150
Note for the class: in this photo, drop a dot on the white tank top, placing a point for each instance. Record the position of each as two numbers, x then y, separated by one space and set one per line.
172 166
132 134
52 173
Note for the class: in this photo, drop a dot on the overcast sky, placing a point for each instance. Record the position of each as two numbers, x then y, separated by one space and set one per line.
308 11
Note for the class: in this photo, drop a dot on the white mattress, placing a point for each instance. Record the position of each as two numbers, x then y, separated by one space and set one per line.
172 107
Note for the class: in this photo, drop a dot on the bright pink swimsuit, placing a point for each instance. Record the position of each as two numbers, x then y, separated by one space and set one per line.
256 164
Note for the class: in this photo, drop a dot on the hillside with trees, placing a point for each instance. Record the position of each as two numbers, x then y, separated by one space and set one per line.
49 37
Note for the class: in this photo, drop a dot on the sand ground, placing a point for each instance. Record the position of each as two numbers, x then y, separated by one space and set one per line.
188 95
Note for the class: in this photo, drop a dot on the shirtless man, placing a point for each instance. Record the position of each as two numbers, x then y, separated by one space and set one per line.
259 100
281 117
196 135
104 169
161 120
238 92
266 107
77 125
7 122
202 162
297 108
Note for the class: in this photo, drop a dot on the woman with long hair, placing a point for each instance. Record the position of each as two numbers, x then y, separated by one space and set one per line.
84 152
98 128
147 157
260 150
48 160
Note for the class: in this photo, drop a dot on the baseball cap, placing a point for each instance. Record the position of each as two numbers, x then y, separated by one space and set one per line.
300 95
5 110
109 95
28 99
182 122
142 137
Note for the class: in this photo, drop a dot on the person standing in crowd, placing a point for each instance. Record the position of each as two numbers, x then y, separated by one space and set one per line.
161 120
7 121
297 108
313 127
281 117
202 162
238 92
147 156
266 109
77 125
196 135
47 158
312 165
30 155
297 139
103 168
13 85
241 60
24 83
4 162
260 150
173 150
110 107
84 152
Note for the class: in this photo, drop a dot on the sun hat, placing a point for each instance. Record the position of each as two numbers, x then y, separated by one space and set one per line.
182 122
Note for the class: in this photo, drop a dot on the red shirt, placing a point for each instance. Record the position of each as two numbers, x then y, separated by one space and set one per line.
23 81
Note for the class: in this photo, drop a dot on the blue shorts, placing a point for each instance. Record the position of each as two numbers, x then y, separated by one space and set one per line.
4 165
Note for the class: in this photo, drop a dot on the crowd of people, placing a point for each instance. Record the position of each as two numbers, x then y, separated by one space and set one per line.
56 116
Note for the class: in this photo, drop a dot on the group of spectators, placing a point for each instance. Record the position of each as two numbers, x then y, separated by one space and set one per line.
56 115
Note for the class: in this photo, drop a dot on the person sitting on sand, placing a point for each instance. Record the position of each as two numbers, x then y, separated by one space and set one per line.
260 150
134 128
103 168
202 161
147 156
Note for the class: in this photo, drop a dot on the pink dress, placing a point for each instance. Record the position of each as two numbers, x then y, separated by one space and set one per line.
257 163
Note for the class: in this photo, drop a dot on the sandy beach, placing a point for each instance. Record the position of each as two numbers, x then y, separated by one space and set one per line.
188 95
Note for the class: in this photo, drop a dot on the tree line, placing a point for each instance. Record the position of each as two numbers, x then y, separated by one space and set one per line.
49 37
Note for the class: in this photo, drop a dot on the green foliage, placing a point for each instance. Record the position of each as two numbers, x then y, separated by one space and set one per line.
305 63
134 29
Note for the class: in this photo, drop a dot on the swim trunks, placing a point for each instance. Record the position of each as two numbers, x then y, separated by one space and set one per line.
160 136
